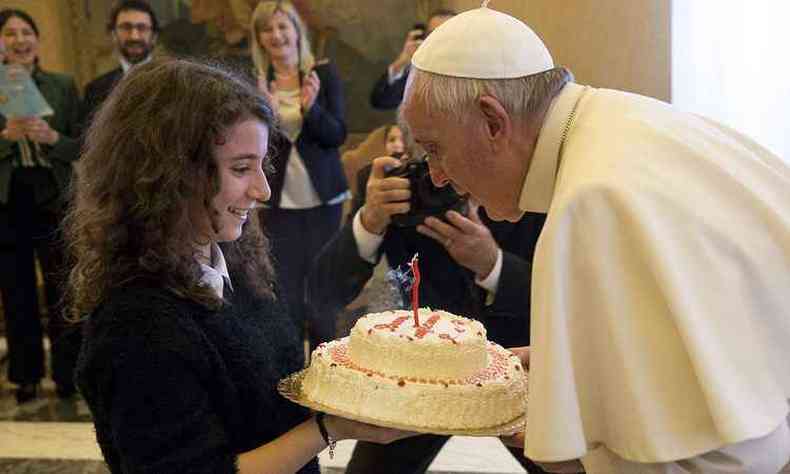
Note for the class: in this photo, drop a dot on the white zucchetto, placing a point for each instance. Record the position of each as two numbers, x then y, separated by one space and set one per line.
483 44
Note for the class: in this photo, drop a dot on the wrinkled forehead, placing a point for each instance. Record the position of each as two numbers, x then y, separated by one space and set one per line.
415 119
413 113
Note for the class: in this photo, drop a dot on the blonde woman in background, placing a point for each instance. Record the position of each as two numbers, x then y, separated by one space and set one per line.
308 185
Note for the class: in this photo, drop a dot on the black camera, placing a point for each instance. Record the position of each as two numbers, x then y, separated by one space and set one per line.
426 199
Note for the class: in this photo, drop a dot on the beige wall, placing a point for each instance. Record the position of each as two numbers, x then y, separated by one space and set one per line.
620 44
53 18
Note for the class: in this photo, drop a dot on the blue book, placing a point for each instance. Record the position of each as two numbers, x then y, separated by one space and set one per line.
19 96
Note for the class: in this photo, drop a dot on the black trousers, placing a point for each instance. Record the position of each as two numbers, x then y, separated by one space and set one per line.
28 230
411 456
297 236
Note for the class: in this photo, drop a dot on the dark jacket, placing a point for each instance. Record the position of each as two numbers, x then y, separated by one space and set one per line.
386 96
174 387
96 92
61 94
323 131
340 273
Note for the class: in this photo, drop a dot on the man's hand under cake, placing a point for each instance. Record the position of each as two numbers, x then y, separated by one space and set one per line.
342 428
523 355
467 240
385 196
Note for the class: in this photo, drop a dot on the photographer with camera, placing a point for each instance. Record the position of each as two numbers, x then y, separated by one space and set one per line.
471 266
388 91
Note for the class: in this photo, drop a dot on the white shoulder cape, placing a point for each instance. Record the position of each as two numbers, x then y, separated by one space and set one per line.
661 288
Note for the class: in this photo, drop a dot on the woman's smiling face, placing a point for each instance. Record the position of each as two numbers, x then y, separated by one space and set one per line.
279 37
241 160
21 42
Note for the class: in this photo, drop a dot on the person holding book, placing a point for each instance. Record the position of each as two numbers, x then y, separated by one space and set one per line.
36 154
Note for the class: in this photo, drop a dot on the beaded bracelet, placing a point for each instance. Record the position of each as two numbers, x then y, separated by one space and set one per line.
328 439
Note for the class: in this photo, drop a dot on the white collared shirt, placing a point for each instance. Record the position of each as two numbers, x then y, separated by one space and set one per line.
394 75
126 65
538 188
216 275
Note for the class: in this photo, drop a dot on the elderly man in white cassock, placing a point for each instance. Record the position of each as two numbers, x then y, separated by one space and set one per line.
661 280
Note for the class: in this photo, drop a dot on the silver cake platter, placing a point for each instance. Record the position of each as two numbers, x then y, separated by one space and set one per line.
291 388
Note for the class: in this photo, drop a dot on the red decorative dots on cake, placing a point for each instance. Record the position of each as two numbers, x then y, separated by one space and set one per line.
441 373
497 368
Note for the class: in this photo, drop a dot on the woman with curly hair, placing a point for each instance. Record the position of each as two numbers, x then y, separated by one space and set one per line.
185 339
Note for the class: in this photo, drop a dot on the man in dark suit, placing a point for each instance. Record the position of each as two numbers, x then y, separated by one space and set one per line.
388 91
134 28
479 272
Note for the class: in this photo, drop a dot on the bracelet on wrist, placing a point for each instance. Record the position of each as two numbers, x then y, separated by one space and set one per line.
330 441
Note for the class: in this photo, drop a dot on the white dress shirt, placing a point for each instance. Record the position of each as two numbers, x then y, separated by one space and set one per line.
216 275
126 65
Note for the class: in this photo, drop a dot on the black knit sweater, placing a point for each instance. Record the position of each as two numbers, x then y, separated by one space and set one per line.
176 388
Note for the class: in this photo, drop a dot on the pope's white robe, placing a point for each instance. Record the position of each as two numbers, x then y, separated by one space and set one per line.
661 282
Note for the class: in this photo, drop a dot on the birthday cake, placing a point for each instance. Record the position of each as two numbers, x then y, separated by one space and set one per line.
441 373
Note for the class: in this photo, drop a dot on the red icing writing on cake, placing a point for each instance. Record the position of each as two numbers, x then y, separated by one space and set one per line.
393 325
426 328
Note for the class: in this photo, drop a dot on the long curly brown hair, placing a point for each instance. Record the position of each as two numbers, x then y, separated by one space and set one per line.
148 162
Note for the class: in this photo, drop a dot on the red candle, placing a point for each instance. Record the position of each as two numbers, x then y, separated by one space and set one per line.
415 289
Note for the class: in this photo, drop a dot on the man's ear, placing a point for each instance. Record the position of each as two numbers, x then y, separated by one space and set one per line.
498 125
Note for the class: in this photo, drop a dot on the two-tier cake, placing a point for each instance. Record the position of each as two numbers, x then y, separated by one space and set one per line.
442 374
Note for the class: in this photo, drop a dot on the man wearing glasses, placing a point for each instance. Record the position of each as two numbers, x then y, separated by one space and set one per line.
134 28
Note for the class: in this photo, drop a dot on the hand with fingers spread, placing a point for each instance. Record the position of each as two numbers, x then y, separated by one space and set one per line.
310 87
269 91
385 196
468 241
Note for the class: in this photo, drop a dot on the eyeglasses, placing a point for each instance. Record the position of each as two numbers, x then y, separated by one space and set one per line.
127 28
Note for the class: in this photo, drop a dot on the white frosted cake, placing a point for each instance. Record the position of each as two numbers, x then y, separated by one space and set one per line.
443 374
